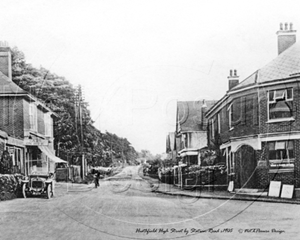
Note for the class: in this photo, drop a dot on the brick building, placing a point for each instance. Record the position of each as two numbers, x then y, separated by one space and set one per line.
257 122
27 122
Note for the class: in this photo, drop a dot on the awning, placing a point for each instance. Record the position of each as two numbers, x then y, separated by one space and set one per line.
188 154
3 135
46 150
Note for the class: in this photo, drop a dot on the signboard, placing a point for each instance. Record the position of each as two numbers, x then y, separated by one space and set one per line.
230 186
274 189
287 191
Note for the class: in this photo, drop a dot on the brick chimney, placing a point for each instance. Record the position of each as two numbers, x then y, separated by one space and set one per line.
233 79
286 37
5 59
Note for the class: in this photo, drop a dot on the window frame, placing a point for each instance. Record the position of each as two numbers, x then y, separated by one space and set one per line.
286 164
219 123
212 128
33 121
229 109
48 124
274 99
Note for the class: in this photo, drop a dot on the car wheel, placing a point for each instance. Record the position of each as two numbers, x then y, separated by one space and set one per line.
24 190
49 192
52 189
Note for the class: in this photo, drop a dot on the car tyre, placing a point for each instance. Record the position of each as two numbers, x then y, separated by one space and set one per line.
49 191
24 191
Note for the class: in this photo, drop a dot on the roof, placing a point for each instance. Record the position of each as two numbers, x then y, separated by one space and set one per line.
285 65
8 86
3 134
190 114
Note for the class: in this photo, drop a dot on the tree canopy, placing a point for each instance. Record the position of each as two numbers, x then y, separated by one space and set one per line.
73 129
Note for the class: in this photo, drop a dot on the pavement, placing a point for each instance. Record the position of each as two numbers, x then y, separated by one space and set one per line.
238 194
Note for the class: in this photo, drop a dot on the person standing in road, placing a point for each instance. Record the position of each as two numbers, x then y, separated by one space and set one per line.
97 177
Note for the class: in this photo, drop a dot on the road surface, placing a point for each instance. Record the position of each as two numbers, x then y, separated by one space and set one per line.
126 207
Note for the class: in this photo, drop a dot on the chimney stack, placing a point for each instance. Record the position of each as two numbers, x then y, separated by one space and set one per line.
286 37
5 59
233 79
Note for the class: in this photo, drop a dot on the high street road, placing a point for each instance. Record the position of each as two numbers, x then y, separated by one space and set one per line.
126 206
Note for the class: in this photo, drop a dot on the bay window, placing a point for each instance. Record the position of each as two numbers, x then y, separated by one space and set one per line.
280 103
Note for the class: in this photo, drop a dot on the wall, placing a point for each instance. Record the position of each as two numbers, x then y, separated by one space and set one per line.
11 118
245 120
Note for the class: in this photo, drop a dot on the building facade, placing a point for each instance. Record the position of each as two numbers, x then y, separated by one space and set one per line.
257 122
27 122
190 136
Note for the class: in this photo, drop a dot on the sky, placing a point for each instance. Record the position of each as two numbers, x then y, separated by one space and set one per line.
136 58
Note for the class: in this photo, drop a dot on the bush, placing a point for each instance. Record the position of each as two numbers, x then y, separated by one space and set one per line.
10 186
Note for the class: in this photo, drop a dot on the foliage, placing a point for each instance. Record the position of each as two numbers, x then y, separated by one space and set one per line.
73 130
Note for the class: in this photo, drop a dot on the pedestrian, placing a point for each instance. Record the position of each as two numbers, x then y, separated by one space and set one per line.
97 177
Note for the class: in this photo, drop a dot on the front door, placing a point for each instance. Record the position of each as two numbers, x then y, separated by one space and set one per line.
247 167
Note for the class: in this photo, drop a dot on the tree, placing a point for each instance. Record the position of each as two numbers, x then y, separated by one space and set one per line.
73 129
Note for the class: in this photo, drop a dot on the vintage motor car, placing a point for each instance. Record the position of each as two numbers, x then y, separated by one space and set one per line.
38 183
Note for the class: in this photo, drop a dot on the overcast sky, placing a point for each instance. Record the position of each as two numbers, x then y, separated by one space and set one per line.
135 59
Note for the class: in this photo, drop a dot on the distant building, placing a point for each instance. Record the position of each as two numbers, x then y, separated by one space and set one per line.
190 136
27 123
191 128
257 122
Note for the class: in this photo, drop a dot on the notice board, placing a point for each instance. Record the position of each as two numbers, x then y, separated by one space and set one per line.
274 189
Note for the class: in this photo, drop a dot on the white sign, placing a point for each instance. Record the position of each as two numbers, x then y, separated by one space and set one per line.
287 191
230 186
274 189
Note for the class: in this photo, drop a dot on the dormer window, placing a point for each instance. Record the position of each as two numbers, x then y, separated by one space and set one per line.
280 103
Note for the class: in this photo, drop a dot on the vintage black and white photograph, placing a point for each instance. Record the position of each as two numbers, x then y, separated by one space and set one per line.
149 119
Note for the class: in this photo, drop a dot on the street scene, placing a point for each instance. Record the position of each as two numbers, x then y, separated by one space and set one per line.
149 120
131 209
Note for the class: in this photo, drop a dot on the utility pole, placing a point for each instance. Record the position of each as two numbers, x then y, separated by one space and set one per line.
78 103
111 158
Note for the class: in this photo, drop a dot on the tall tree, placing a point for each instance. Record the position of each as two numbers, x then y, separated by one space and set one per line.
73 130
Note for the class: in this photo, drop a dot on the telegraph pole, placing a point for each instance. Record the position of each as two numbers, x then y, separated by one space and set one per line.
78 111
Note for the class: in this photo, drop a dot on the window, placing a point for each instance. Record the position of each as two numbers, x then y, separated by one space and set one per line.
219 123
33 116
184 140
213 129
48 124
281 155
281 150
280 103
230 116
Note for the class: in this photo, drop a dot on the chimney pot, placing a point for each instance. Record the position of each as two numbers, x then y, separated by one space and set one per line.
5 59
233 79
286 37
